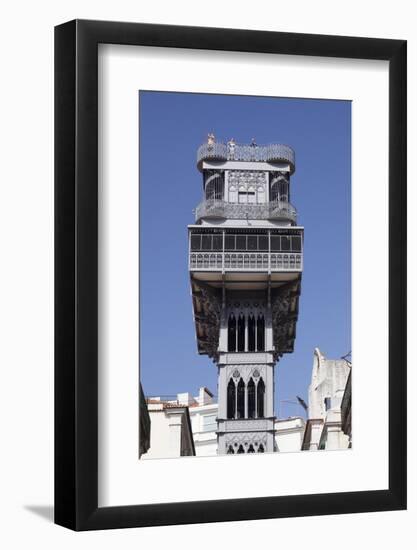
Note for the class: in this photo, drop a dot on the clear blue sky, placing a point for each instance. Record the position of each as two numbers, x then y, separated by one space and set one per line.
172 126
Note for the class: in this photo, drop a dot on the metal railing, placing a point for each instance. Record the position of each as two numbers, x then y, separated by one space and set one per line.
213 208
275 152
246 261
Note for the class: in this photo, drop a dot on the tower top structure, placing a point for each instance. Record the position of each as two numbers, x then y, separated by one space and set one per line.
246 182
220 152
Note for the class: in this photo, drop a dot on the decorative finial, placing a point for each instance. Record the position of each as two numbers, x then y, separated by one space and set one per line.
211 139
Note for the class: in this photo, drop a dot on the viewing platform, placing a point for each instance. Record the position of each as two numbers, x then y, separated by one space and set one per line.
273 153
278 210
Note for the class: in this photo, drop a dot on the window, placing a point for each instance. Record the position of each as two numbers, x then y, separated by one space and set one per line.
230 242
296 243
262 242
195 242
279 188
230 450
251 399
214 185
240 242
241 333
260 390
206 241
231 399
231 333
247 197
251 333
327 403
275 243
241 399
260 329
217 242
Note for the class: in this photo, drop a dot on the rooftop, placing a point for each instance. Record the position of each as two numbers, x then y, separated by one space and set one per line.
253 152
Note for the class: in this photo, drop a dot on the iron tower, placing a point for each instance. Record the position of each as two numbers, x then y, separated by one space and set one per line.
245 263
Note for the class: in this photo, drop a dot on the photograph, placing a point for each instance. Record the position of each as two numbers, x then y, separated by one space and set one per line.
245 275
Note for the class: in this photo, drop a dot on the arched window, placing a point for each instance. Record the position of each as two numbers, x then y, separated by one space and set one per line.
283 190
261 448
230 450
231 399
260 328
214 185
251 399
231 333
241 399
241 333
279 189
251 333
240 450
260 398
251 449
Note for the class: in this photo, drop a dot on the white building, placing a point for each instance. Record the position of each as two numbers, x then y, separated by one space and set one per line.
328 383
203 413
171 433
289 434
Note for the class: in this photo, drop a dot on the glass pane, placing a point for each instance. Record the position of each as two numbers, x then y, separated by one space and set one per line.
230 242
296 244
285 243
262 242
275 243
240 242
217 242
206 242
252 242
251 197
195 242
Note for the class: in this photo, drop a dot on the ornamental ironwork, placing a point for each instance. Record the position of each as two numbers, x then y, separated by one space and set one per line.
278 210
275 152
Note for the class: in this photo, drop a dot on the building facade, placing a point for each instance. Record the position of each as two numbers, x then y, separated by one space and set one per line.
326 392
171 434
245 263
203 414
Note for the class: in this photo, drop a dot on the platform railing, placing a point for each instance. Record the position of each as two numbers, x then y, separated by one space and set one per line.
246 261
274 152
214 208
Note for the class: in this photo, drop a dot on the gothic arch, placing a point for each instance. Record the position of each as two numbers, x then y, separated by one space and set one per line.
251 399
241 333
241 399
260 398
231 333
231 399
251 333
260 332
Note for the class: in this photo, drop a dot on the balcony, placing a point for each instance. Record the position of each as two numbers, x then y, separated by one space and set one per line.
279 210
246 261
249 153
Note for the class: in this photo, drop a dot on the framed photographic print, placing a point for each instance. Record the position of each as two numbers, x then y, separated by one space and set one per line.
230 275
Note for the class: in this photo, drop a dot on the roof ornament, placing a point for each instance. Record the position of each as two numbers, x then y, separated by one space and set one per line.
211 139
231 146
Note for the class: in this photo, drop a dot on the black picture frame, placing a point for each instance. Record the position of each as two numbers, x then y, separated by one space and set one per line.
76 272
